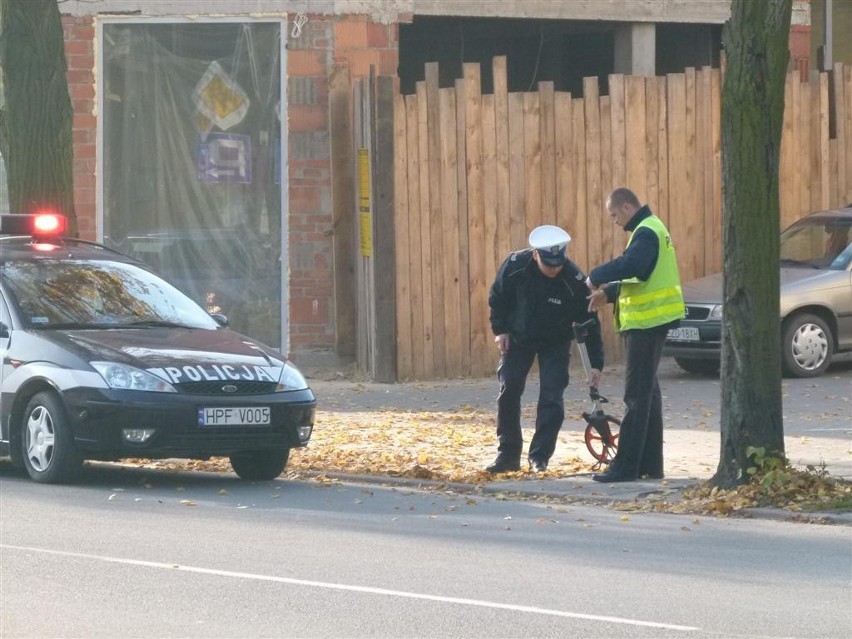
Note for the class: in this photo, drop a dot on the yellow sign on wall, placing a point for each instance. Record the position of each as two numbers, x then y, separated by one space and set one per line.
364 213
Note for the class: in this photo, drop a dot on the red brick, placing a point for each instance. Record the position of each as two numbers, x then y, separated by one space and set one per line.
359 62
73 47
80 76
305 62
377 35
80 62
350 35
307 118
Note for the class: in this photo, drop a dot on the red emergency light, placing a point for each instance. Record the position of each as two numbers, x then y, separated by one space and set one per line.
39 225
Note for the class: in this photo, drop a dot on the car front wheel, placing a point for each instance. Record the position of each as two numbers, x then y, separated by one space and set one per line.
808 344
49 453
260 465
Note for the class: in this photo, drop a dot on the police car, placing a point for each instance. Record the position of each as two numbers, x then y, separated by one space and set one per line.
102 359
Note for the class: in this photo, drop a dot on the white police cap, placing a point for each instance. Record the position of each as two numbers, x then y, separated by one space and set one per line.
550 242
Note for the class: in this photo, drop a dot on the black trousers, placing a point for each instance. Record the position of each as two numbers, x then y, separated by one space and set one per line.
512 374
640 442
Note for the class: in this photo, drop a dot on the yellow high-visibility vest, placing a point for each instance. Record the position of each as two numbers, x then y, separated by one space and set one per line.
659 299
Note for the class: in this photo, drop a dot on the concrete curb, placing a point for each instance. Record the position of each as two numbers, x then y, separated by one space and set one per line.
584 491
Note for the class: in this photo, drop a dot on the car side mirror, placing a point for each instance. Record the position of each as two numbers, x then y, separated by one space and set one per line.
4 331
221 320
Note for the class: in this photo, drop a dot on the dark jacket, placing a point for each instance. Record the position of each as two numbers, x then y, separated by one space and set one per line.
537 310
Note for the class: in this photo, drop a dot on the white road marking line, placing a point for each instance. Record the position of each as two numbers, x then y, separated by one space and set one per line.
361 589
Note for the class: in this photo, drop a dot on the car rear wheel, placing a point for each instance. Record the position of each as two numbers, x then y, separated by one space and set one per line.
808 344
47 444
260 465
698 366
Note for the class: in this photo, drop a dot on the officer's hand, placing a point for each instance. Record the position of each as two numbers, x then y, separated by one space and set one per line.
595 377
597 300
502 342
590 284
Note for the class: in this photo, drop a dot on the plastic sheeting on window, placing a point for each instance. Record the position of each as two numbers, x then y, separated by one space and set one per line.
192 171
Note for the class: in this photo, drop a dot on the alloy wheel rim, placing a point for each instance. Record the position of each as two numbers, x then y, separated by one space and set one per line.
40 439
810 347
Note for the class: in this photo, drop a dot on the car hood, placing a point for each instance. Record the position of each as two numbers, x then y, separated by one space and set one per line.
708 290
177 355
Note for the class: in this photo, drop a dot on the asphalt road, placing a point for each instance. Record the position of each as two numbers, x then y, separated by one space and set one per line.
133 553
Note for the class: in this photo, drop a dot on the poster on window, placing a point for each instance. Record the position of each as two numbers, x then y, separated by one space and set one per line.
224 157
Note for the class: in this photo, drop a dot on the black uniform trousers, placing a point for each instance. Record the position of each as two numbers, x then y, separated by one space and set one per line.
512 374
640 439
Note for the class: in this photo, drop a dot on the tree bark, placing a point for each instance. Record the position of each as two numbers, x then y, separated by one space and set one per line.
37 118
756 41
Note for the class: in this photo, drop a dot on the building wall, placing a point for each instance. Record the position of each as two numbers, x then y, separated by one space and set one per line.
323 43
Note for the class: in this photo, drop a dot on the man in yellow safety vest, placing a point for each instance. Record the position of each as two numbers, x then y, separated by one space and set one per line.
645 286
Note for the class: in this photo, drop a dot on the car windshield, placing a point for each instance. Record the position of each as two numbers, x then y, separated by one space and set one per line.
818 242
97 294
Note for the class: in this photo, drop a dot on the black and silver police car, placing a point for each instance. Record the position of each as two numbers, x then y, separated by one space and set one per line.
102 359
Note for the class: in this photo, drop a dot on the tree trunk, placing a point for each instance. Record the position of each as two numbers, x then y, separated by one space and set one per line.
755 41
38 116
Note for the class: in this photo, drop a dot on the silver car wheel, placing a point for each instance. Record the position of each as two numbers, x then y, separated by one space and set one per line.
40 439
809 346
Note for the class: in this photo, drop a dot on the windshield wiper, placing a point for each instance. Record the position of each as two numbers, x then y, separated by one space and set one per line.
152 324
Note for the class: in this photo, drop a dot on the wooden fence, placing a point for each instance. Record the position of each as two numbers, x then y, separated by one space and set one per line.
474 173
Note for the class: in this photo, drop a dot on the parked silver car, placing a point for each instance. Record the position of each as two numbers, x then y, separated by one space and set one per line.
816 301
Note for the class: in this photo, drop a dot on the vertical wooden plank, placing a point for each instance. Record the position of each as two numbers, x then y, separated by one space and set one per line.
619 130
404 365
463 225
435 226
847 110
425 230
450 228
502 187
785 165
820 143
517 183
343 216
606 238
618 155
565 205
532 160
594 204
476 214
716 123
652 109
580 239
548 153
634 120
384 235
415 248
839 102
489 194
703 142
662 159
806 179
676 83
693 216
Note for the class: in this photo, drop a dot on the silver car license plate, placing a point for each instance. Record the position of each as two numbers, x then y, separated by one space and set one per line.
683 334
234 416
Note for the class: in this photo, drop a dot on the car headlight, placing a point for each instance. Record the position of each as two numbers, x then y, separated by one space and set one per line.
123 377
715 312
291 379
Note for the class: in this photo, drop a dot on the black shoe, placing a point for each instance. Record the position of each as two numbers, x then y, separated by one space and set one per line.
537 465
504 464
613 476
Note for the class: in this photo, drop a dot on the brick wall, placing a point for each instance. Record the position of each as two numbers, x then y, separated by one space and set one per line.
324 42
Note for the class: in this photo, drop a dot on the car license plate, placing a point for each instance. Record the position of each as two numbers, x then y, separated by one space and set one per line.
234 416
683 334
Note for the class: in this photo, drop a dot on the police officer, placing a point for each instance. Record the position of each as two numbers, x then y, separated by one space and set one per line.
645 285
536 297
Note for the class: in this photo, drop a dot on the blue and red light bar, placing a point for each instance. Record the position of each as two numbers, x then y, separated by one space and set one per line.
40 226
